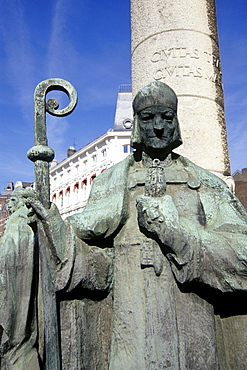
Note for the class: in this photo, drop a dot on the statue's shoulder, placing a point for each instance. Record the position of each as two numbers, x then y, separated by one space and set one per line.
17 222
18 215
106 206
206 178
110 182
117 170
212 184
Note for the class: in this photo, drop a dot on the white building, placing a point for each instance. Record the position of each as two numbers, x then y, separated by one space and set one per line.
71 179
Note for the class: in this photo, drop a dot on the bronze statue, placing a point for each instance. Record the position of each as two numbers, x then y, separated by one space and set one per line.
151 275
18 288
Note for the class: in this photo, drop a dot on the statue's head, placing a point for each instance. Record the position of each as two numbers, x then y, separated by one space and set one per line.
156 125
18 198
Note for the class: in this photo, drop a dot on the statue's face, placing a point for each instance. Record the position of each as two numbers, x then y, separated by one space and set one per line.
156 127
14 203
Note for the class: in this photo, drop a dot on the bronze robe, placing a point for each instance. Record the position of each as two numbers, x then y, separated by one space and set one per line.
161 310
19 344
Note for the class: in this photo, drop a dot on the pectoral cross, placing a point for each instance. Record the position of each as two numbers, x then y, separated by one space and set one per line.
155 182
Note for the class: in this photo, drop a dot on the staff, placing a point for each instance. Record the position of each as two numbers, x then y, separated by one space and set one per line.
41 155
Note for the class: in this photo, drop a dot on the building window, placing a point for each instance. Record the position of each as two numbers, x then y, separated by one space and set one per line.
92 178
84 189
76 190
94 158
54 198
67 192
61 198
127 149
104 153
85 163
84 183
76 186
127 123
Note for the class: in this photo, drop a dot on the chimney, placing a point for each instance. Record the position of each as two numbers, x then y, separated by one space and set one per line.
70 151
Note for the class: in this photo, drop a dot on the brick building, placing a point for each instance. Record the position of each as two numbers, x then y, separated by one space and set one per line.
4 212
240 178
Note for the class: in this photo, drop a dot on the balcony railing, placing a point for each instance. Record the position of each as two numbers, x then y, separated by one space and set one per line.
125 88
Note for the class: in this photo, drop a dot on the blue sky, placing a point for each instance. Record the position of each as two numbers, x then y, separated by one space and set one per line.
87 42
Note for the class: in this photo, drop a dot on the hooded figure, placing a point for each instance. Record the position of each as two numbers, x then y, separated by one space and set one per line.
155 94
177 240
18 289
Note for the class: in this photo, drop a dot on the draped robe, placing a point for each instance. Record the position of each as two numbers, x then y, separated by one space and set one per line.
160 309
19 296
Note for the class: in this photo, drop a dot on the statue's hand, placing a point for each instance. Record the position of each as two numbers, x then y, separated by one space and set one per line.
38 212
148 210
159 217
36 208
51 220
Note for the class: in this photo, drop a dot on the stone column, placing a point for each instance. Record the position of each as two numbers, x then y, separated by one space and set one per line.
176 42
